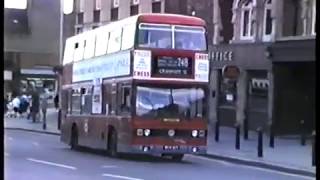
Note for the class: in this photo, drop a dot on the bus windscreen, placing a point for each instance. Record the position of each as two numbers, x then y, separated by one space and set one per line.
172 37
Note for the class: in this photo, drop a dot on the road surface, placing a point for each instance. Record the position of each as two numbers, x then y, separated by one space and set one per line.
38 156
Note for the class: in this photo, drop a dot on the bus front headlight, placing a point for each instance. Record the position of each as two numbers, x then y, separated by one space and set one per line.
147 132
194 133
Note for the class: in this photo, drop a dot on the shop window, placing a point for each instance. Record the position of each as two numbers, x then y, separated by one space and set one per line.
124 99
247 28
227 91
268 22
114 14
156 7
134 9
76 101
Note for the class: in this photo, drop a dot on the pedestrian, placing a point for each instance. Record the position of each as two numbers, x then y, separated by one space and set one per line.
16 106
44 105
56 101
35 105
5 101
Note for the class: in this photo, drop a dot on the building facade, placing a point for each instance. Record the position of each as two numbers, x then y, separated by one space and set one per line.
31 43
273 44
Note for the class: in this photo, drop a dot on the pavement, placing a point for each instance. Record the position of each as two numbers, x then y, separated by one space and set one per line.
287 156
30 155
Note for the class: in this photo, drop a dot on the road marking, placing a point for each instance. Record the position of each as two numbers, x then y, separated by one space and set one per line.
120 177
35 143
212 160
247 166
108 166
51 163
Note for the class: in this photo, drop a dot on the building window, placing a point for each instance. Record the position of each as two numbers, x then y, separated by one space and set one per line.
134 9
314 15
96 16
79 30
156 7
293 21
267 21
114 14
246 20
80 18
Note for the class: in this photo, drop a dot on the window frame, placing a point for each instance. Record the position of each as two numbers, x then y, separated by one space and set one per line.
89 48
132 7
72 98
120 98
153 6
248 8
267 6
124 40
102 38
118 48
313 17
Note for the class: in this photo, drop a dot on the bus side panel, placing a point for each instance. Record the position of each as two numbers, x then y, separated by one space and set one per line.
124 135
66 130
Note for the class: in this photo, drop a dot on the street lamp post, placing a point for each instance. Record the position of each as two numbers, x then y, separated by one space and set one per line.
60 59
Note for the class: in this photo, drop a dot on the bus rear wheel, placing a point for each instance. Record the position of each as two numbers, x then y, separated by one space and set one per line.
177 157
74 138
112 144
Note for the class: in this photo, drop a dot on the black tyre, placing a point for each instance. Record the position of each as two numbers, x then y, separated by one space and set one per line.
74 139
177 157
112 144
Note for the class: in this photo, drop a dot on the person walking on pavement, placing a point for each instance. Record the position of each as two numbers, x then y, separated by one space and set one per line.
44 106
35 105
56 101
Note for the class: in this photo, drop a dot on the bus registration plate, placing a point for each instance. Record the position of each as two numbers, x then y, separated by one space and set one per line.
171 148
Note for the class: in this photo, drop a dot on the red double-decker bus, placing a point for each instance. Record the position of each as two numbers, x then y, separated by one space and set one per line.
138 85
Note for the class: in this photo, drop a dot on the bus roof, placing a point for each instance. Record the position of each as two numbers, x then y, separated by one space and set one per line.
171 19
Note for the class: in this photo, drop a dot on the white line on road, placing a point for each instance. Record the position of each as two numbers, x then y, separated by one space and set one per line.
256 168
52 164
35 143
108 166
120 177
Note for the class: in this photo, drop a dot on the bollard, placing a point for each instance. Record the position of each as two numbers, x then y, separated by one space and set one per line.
59 119
237 145
260 142
271 139
217 132
245 128
314 148
303 136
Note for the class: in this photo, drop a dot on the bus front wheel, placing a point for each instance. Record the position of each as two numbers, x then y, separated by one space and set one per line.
112 144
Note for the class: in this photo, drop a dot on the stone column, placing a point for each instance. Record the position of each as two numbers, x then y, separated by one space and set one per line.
241 96
213 101
270 96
